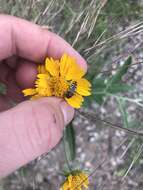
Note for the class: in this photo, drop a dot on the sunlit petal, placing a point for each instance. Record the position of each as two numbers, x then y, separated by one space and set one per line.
52 67
83 87
75 101
75 72
29 92
65 186
41 69
44 92
65 64
69 68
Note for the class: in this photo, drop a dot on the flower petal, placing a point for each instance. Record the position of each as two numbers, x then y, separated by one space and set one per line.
29 92
83 87
43 86
43 76
41 69
52 66
75 101
41 83
69 68
64 64
44 92
75 72
65 186
70 180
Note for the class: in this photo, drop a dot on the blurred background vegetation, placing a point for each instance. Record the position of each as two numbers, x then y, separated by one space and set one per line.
108 34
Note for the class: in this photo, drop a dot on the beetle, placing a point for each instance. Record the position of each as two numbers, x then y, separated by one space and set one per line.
72 88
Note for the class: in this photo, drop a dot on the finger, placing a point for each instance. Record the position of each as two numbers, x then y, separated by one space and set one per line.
29 130
4 72
20 37
5 103
13 90
12 61
15 81
26 73
7 77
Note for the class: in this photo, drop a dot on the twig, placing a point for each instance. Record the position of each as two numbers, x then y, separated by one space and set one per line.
95 118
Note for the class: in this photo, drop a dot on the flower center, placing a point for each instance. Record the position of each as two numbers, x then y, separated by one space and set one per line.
76 181
59 86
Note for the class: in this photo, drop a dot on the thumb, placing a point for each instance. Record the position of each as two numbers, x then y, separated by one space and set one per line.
31 129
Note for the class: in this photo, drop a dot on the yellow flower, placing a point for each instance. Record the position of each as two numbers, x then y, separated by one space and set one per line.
77 181
61 78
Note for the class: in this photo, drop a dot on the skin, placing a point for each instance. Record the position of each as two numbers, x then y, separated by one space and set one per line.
32 127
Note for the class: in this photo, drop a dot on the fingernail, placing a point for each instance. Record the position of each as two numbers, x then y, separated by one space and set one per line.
68 112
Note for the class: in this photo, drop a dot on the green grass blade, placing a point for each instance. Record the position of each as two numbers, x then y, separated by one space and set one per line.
69 142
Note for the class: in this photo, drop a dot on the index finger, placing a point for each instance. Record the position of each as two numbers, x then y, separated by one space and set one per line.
30 41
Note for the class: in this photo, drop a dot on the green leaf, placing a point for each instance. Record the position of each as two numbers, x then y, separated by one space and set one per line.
98 90
2 88
87 101
102 88
69 142
99 98
120 73
120 87
99 83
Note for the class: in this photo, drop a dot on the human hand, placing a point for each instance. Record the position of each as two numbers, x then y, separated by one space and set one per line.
33 127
